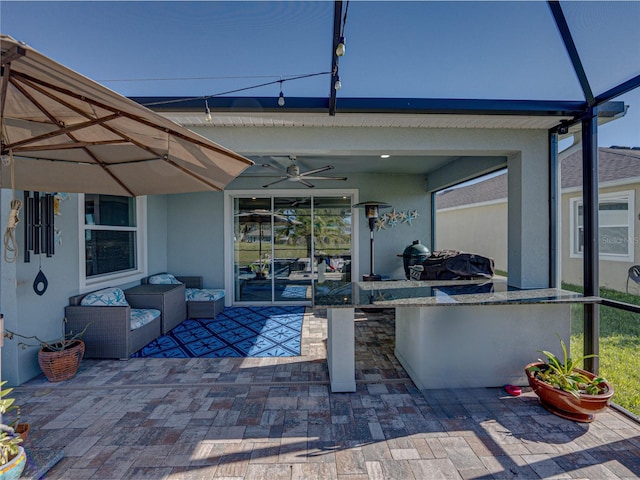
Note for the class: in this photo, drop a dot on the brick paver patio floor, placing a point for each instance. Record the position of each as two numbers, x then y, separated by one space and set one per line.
275 418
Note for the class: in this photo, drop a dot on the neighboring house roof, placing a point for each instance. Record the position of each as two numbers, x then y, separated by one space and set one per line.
484 191
614 163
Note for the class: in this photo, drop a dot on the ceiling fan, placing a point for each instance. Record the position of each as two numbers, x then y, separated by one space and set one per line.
292 174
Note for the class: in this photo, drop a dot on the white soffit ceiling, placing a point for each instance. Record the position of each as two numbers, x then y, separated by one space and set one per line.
191 119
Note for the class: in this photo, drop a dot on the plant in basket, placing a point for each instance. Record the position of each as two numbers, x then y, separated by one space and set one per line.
566 390
12 455
60 358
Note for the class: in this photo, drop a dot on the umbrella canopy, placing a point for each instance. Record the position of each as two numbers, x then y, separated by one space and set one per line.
67 133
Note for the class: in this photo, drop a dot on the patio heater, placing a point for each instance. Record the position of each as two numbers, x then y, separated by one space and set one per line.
371 211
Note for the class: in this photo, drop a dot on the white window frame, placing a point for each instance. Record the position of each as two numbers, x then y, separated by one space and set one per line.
626 195
113 279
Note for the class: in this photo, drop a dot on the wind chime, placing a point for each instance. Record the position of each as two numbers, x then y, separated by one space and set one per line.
39 232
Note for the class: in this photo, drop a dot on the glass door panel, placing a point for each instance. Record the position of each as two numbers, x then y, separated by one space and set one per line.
332 238
252 248
293 268
283 244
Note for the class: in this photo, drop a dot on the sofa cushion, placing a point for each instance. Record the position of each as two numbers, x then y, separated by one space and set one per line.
142 316
203 294
107 297
164 279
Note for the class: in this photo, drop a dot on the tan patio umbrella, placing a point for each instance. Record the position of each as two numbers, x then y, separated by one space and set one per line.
67 133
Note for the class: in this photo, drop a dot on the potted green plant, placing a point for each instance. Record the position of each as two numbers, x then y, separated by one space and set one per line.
60 358
12 455
566 390
261 267
7 405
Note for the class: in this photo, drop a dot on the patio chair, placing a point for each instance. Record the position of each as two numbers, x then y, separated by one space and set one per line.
201 302
633 274
115 329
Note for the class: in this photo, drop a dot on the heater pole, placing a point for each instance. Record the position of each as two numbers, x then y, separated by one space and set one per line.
372 277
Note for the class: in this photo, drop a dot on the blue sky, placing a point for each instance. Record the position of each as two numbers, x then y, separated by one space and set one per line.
210 47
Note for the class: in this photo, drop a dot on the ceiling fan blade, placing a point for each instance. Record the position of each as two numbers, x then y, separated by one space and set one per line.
317 170
282 179
268 165
327 178
304 182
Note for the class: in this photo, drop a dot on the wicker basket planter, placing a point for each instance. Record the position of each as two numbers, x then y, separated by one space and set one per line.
61 365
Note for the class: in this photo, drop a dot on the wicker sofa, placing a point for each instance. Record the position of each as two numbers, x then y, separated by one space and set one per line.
201 302
110 333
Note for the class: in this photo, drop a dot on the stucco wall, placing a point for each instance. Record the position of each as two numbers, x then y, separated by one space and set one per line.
613 274
26 312
482 219
195 236
186 232
403 192
480 229
527 159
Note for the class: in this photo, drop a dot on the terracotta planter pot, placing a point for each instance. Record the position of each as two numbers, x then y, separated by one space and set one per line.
13 469
23 430
564 404
61 365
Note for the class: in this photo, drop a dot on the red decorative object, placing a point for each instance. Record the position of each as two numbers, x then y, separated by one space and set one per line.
566 405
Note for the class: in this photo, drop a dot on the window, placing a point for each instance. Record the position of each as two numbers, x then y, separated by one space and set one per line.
112 232
615 218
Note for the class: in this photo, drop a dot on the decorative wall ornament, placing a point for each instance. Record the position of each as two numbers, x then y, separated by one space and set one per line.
39 225
394 218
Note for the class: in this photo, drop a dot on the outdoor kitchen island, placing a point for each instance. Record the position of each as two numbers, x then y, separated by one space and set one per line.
450 333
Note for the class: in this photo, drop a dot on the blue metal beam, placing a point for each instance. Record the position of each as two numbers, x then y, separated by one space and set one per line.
590 206
554 199
620 89
565 33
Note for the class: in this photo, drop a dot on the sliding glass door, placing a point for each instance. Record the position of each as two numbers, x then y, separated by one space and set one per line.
282 244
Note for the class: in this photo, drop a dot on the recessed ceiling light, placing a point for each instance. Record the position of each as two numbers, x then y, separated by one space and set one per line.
384 156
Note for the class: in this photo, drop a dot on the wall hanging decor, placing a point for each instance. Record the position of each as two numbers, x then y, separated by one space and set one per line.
39 225
394 219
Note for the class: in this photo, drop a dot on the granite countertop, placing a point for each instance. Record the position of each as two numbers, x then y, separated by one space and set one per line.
412 293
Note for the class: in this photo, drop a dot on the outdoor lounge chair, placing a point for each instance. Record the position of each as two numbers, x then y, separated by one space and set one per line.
169 299
201 302
115 329
633 274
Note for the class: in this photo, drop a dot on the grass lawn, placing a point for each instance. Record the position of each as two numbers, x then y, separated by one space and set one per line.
619 346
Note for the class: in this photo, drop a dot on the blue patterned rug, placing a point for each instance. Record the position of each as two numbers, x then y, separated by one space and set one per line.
270 331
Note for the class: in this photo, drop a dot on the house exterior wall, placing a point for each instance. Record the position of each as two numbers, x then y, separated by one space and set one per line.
613 274
526 151
404 192
27 313
483 218
195 236
480 228
185 232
